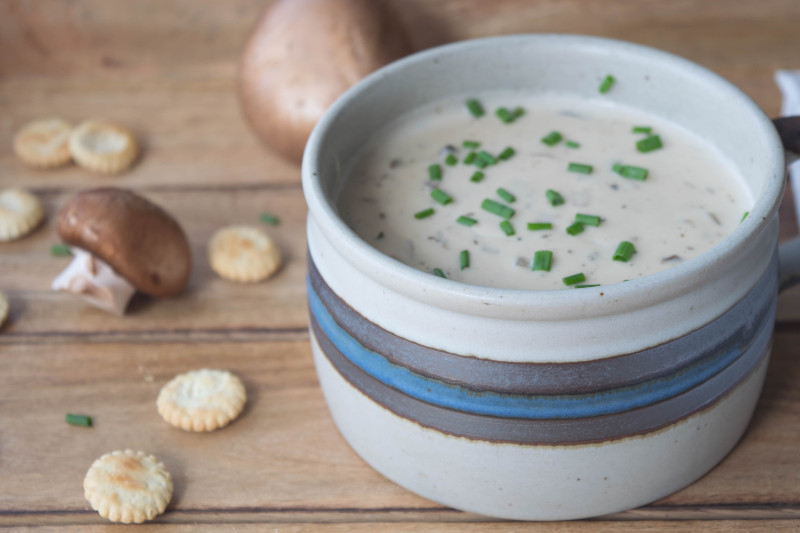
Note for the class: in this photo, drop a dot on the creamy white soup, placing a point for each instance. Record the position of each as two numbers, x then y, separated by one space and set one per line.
541 192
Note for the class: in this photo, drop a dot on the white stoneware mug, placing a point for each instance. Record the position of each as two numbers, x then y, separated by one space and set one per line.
544 405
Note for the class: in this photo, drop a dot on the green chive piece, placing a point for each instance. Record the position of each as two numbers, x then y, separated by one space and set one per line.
78 420
575 228
425 213
580 168
554 197
497 208
589 220
268 218
470 144
507 154
625 251
634 173
542 260
486 157
571 144
642 129
507 228
538 226
617 168
648 144
586 285
441 197
470 158
435 172
475 107
477 177
439 272
505 115
606 84
63 249
744 216
463 259
451 160
505 195
517 112
573 279
552 138
466 221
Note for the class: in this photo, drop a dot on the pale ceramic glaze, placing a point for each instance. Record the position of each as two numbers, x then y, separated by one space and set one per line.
544 405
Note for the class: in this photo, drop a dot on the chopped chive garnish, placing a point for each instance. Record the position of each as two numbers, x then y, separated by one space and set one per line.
439 272
580 168
606 84
480 163
617 168
589 220
744 216
573 279
268 218
475 107
63 249
451 160
441 197
507 154
463 259
435 172
78 420
634 173
642 129
507 228
486 158
470 158
505 115
648 144
467 221
470 144
477 177
554 197
552 138
625 251
571 144
425 213
538 226
542 260
586 285
505 195
517 112
575 228
497 208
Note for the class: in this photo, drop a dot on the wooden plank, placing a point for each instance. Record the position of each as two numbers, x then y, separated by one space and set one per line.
284 461
721 526
209 306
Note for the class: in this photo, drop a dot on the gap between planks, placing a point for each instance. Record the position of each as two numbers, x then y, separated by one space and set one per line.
442 515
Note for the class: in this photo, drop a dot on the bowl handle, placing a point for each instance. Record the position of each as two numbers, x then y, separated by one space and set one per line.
789 132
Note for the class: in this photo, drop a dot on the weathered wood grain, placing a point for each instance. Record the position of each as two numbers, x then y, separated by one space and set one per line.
283 460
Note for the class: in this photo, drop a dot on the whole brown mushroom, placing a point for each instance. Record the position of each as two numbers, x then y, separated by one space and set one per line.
302 55
121 243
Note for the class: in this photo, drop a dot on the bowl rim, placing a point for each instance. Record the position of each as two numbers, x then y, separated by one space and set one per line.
459 296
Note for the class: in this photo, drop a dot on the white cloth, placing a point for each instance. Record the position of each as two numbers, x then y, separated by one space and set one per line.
788 82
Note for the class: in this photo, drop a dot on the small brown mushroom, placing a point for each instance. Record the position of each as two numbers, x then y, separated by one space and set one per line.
121 243
302 55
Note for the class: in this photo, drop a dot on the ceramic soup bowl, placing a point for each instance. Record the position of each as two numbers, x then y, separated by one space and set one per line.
544 405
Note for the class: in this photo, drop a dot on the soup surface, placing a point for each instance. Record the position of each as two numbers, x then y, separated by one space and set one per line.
551 192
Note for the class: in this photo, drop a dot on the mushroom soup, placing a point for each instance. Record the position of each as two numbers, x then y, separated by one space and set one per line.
512 190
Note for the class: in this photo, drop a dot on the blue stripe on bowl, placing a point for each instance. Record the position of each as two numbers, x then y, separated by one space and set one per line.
561 406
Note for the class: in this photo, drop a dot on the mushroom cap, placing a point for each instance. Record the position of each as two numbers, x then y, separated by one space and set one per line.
141 241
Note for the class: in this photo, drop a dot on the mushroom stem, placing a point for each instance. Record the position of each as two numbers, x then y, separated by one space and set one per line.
96 282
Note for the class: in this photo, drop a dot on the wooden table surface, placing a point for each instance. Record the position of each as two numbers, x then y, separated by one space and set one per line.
167 69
